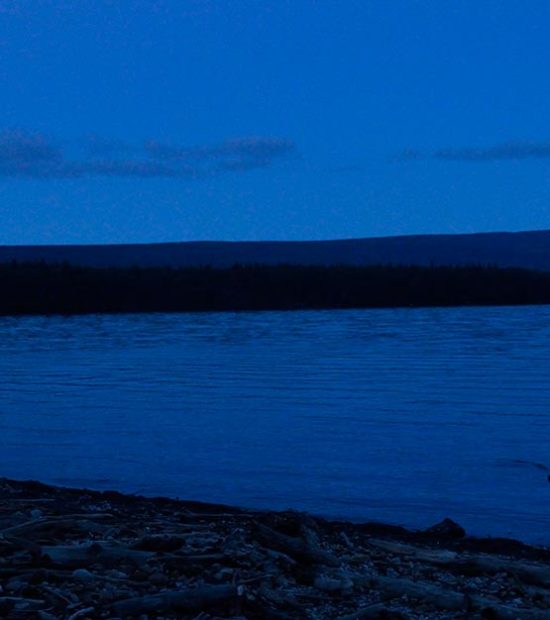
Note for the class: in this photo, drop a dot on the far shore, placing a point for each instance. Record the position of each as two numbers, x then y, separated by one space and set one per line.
77 553
44 289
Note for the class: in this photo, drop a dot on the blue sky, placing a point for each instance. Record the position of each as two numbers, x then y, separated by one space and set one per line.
159 120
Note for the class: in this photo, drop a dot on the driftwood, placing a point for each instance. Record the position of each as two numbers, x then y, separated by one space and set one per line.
481 563
22 543
160 542
278 598
44 615
263 611
64 520
22 603
31 500
55 592
183 561
86 554
296 547
379 611
443 598
106 555
81 613
184 600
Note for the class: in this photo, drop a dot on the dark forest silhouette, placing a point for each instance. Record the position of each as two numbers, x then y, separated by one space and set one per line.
38 288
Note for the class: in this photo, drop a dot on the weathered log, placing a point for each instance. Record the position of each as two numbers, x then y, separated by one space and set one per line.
379 611
45 615
482 563
23 543
22 603
264 611
284 566
159 542
46 522
279 555
214 516
29 500
273 604
437 596
184 600
278 598
296 547
56 593
443 598
178 561
81 613
82 555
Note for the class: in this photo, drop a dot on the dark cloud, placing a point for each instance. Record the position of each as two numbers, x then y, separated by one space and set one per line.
242 164
500 152
27 148
32 155
513 150
408 155
259 149
99 146
125 168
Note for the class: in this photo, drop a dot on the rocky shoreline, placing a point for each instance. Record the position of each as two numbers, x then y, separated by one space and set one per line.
68 554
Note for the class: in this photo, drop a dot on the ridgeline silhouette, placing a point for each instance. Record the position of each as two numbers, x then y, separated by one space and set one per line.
526 250
40 288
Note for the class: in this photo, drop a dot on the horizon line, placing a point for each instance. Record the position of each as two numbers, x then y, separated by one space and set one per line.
271 241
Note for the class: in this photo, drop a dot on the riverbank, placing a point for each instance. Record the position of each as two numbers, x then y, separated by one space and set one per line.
77 554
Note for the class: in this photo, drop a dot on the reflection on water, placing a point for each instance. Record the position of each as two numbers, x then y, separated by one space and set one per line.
405 415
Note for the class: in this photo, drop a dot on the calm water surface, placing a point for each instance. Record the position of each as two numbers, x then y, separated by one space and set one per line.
405 415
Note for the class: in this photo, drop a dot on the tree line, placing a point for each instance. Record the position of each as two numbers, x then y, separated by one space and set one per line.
39 288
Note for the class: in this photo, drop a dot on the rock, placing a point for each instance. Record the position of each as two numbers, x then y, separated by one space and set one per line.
160 543
158 579
328 584
281 566
447 529
117 574
83 575
44 615
36 513
224 574
15 585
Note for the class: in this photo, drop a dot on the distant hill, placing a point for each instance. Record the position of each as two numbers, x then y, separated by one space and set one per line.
530 250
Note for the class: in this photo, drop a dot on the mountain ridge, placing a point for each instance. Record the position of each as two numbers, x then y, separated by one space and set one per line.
526 249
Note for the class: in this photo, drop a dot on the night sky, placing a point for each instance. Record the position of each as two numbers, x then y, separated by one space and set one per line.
159 120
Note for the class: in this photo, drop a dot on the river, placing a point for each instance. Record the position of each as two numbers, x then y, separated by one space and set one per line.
405 416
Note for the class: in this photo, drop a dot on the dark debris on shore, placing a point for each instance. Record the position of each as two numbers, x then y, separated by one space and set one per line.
69 554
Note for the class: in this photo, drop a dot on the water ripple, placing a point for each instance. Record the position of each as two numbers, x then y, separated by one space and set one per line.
404 415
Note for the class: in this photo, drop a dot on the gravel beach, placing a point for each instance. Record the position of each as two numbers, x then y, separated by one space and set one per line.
75 554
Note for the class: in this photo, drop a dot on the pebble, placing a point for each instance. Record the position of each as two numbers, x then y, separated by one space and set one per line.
44 615
268 580
117 574
158 579
327 584
224 573
83 575
15 585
